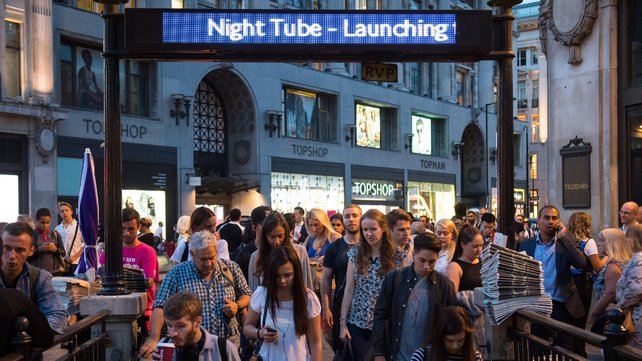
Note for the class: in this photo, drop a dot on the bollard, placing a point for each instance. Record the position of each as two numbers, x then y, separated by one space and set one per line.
21 341
615 333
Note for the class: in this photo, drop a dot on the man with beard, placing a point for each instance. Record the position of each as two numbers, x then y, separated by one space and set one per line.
335 266
183 317
557 254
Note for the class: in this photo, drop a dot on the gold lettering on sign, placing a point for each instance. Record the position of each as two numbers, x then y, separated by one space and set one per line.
576 186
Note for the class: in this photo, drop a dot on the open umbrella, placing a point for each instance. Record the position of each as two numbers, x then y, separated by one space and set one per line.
88 217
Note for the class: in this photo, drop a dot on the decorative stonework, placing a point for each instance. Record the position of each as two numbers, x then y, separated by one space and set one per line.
571 36
46 136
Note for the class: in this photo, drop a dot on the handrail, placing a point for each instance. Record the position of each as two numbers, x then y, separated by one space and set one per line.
628 352
82 325
588 336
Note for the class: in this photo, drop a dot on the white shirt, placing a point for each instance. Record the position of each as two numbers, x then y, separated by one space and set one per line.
159 232
289 345
67 233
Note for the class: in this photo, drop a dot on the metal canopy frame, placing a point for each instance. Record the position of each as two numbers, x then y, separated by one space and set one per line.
116 31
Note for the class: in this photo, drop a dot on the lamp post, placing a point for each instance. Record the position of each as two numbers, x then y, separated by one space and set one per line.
527 166
488 202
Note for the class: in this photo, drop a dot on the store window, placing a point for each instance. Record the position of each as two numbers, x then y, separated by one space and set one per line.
533 164
415 78
462 82
82 80
376 127
522 100
435 200
363 4
10 195
91 5
535 98
309 115
291 190
68 172
517 149
148 203
521 57
429 135
12 77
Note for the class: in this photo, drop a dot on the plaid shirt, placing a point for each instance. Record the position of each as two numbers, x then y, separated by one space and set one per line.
185 277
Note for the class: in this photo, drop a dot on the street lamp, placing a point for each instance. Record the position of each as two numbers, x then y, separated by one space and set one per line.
527 166
486 157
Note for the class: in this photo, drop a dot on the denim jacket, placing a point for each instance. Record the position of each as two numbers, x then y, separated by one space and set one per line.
392 302
46 297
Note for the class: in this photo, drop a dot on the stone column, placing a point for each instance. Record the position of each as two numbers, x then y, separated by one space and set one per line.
121 324
39 50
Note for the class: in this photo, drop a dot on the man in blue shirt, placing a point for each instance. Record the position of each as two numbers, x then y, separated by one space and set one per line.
557 254
35 283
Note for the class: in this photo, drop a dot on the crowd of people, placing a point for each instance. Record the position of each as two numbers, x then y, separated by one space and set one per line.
385 286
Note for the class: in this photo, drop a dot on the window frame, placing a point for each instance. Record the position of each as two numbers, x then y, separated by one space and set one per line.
438 134
323 102
20 61
388 126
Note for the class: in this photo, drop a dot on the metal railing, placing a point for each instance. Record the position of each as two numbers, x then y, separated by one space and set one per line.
77 339
528 347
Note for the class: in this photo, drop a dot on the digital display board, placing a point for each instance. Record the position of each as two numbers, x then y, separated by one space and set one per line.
421 134
304 28
290 35
368 126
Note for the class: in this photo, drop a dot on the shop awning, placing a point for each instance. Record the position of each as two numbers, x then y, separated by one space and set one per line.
228 185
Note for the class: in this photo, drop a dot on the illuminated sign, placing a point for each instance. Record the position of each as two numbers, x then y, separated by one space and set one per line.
246 34
304 27
366 189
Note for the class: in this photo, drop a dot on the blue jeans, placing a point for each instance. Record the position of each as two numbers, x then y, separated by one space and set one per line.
360 341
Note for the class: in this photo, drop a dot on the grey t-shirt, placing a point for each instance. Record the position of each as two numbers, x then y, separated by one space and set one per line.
413 330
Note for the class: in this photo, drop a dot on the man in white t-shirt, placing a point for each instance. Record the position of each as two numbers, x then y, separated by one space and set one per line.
71 236
158 233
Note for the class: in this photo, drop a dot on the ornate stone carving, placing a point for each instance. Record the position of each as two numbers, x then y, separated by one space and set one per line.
46 136
572 37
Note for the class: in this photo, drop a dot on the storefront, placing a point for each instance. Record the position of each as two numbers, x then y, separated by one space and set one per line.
378 188
431 194
306 184
13 176
148 181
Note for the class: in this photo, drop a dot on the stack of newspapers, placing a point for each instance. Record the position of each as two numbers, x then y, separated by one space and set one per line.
512 280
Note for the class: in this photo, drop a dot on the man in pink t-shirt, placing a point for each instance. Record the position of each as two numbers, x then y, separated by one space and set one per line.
137 254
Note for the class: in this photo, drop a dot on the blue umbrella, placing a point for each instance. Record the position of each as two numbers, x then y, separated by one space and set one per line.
88 217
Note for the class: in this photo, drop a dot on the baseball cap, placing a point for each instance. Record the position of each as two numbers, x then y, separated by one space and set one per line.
259 214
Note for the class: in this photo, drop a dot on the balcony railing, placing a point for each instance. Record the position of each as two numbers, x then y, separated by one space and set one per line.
77 339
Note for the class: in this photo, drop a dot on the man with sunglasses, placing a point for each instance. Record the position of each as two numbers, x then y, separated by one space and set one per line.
628 215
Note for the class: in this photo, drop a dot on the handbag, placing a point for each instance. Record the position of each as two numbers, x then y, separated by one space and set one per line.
344 353
60 265
257 349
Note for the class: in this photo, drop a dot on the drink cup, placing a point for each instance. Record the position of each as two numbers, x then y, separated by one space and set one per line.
166 351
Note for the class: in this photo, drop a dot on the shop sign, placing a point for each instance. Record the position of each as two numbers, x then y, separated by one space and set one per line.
126 130
379 72
309 151
576 174
432 164
367 189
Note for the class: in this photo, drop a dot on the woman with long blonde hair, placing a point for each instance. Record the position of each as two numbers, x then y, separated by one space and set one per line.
629 286
447 232
320 233
611 243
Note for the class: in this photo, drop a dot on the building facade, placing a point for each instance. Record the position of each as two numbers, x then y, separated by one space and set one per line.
594 101
233 134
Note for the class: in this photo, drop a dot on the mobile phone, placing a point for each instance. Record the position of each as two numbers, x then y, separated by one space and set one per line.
270 329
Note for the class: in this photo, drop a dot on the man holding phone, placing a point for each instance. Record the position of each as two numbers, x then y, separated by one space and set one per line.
557 254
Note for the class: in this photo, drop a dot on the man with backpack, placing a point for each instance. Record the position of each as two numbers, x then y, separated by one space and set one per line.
183 317
218 283
15 272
